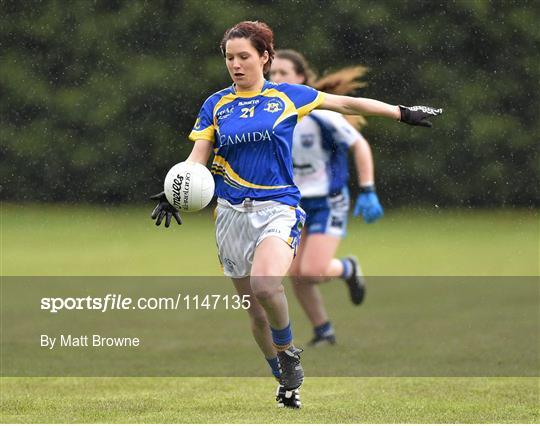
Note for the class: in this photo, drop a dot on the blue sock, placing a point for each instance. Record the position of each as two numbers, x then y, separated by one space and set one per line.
274 365
324 329
347 268
282 338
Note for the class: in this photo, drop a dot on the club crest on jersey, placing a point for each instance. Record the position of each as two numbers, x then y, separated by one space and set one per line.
273 106
307 141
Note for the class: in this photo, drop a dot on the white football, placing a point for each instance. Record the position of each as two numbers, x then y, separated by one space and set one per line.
189 186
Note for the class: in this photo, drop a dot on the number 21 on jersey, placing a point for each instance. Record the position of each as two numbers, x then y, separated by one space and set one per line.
248 112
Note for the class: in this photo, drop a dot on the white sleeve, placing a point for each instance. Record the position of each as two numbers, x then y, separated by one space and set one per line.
344 132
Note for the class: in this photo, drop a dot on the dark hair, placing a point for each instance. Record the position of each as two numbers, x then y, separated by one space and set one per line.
300 65
258 33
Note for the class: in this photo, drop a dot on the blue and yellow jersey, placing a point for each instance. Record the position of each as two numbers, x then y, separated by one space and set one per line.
252 134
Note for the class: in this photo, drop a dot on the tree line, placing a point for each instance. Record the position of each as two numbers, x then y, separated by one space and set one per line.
98 97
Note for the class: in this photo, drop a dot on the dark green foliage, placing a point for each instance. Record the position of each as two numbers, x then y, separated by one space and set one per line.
98 97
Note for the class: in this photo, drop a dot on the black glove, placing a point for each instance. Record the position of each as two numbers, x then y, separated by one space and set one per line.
418 115
164 209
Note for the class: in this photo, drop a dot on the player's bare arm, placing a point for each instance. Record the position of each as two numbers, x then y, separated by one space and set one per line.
363 159
364 106
367 204
201 151
415 115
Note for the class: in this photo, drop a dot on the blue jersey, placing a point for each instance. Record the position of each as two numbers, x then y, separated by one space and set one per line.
252 134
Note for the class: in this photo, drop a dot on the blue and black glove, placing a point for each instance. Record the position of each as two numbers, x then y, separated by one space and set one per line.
368 205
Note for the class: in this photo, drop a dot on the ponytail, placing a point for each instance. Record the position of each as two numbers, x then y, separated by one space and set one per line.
343 82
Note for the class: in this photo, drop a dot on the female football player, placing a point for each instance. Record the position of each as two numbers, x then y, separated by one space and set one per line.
249 127
321 143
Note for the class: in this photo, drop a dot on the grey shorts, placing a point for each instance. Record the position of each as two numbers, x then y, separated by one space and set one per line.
242 227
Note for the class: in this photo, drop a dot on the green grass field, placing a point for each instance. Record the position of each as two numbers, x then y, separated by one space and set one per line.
56 240
239 400
53 240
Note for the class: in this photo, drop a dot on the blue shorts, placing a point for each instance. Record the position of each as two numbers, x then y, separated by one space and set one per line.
327 215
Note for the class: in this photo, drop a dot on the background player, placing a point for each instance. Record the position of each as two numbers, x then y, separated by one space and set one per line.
320 154
249 128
